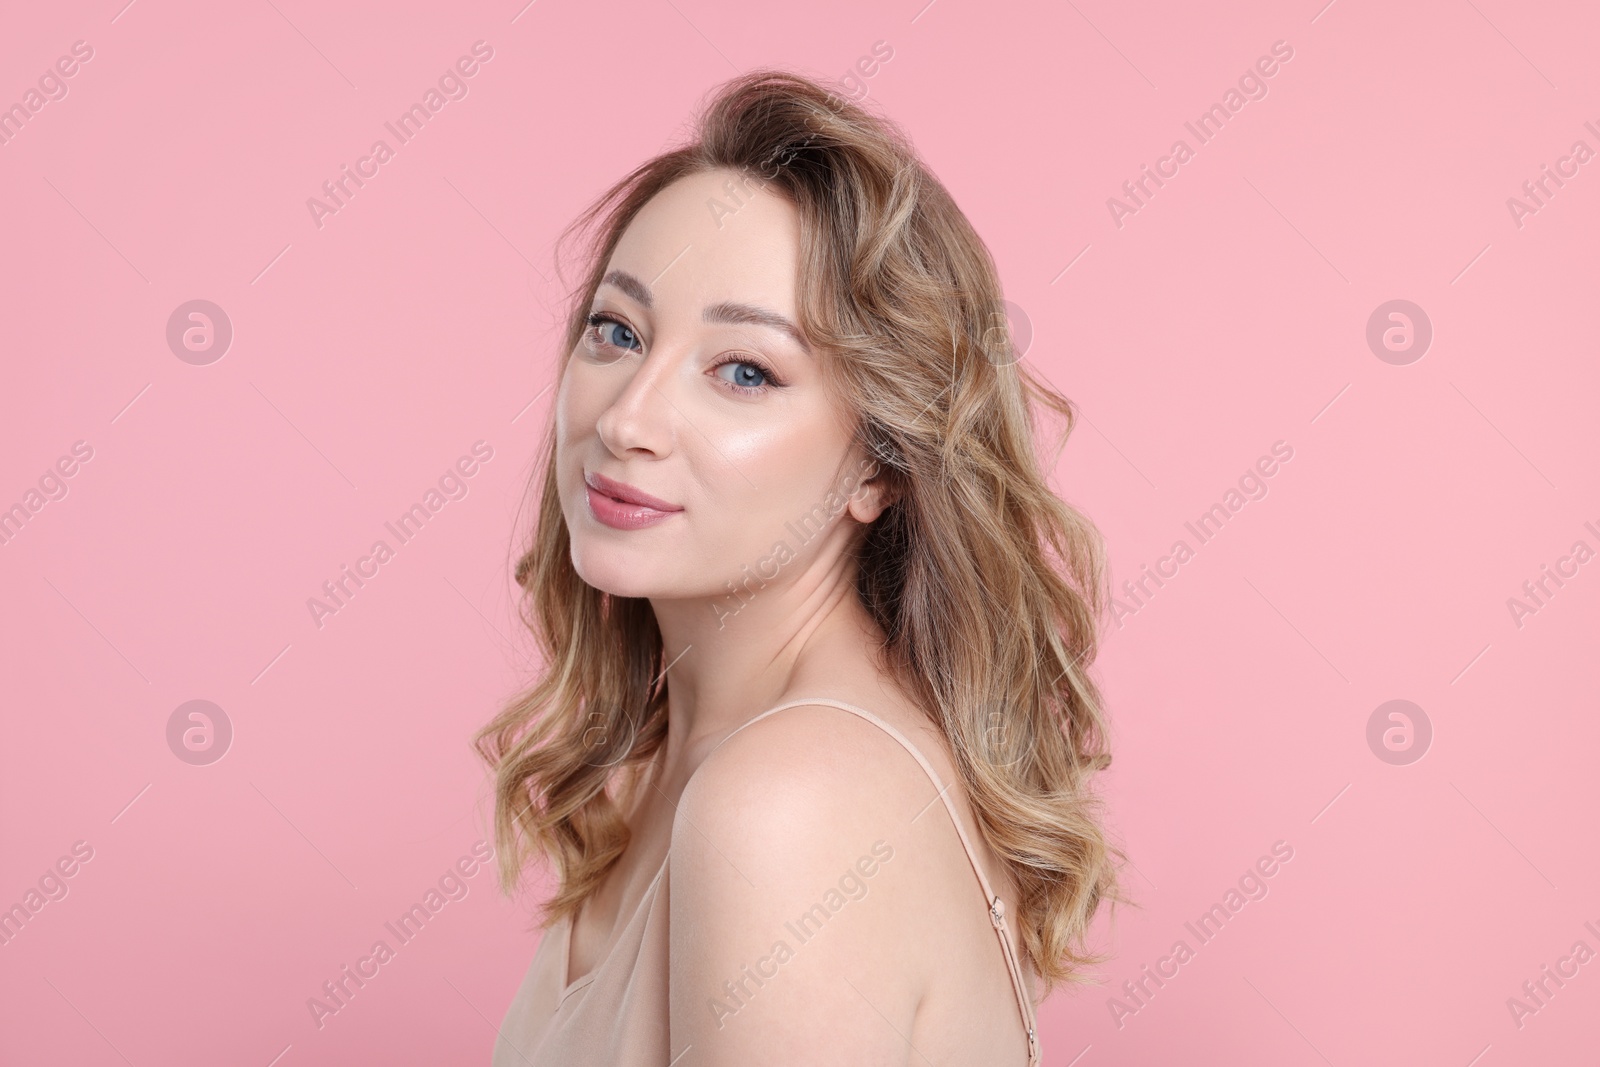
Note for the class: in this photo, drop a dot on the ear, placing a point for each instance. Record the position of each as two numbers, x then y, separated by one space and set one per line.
872 496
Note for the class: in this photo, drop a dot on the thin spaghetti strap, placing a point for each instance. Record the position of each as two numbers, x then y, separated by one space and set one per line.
997 908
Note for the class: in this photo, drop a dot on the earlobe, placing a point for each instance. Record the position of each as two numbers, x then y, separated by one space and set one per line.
870 501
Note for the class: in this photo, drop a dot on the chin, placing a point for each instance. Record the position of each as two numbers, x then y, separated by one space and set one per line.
614 571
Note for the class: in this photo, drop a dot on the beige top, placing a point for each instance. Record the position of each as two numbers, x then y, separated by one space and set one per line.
617 1013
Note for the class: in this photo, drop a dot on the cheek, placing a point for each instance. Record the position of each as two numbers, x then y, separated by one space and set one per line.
786 446
575 413
768 451
575 395
781 484
581 399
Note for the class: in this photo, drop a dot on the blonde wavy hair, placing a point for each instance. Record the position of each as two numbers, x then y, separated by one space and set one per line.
988 587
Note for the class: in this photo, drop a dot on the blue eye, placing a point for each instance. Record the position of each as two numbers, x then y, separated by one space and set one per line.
750 377
746 375
606 331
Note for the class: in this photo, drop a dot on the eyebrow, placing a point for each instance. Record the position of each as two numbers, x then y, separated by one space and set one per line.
725 311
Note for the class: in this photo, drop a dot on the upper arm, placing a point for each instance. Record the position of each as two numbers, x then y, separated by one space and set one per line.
790 943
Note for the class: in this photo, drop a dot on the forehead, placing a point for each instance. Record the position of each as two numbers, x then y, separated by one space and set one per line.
713 236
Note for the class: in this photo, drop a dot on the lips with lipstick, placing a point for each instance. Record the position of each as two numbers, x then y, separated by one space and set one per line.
622 506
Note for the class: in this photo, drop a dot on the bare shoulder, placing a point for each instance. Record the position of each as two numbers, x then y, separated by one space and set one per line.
812 771
793 890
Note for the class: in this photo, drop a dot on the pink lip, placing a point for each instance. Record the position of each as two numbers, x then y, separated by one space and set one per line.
622 507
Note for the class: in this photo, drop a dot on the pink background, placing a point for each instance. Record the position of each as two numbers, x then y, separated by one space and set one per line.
1227 314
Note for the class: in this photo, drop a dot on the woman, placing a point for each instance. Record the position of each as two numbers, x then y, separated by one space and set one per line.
816 630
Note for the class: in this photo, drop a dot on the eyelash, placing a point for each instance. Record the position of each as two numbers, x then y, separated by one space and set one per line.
596 318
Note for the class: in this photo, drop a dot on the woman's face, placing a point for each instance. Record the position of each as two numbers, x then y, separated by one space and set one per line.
692 386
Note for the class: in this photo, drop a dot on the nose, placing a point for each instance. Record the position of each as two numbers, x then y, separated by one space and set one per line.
641 416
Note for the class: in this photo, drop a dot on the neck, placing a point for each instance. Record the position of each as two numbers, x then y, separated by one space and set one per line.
731 657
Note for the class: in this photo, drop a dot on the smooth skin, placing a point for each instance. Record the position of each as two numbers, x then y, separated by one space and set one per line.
909 969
